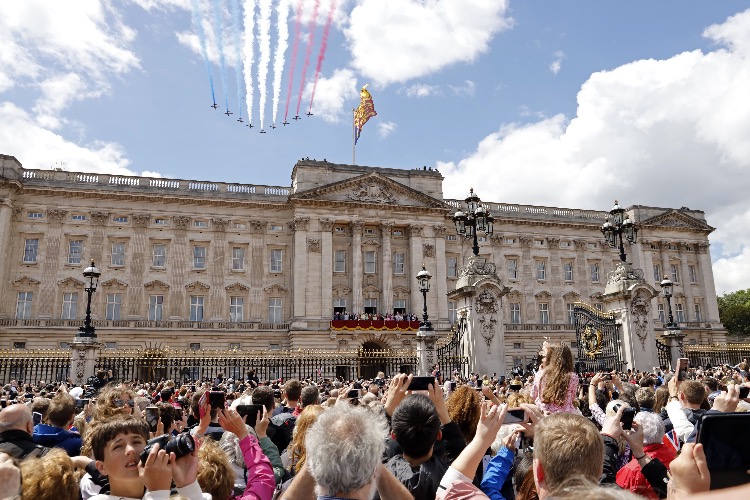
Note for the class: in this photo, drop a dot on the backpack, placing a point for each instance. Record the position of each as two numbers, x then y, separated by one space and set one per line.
284 423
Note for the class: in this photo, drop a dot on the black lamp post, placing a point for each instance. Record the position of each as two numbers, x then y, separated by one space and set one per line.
423 278
618 225
91 274
666 288
477 218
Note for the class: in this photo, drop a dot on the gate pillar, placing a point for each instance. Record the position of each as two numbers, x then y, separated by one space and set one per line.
478 295
628 296
83 358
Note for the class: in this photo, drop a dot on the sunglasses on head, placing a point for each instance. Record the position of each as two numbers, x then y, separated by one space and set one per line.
122 402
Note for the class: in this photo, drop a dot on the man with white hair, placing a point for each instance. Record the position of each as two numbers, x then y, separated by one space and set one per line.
630 477
344 447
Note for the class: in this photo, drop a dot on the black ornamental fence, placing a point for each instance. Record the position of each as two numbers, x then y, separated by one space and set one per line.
717 354
48 365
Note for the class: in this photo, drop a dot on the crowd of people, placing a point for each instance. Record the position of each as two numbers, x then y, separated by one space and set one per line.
548 433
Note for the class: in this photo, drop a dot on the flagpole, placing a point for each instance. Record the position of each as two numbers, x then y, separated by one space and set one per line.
354 137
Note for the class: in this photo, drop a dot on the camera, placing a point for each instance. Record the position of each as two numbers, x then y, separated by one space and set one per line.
181 445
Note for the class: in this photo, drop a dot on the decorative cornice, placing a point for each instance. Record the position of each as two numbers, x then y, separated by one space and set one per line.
197 286
572 296
677 220
26 281
341 290
401 291
544 294
236 287
71 282
275 288
156 285
114 283
371 243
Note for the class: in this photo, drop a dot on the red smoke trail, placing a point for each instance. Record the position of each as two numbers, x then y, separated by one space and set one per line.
295 47
322 53
311 29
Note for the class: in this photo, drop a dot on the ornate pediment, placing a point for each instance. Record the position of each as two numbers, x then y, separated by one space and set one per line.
197 286
156 285
275 288
369 189
71 282
515 294
676 219
572 297
25 281
114 283
401 292
543 295
371 289
341 291
236 287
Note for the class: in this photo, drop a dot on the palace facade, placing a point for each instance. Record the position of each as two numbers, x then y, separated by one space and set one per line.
207 265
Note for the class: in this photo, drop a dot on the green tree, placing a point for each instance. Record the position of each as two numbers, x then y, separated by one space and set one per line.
734 312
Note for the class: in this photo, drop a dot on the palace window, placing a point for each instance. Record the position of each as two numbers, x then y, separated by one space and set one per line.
75 249
541 270
121 219
236 306
544 313
161 222
114 301
451 237
657 273
155 307
452 267
200 223
339 305
371 306
568 271
399 306
274 310
159 255
339 261
69 305
31 250
35 215
196 307
370 267
452 312
199 257
675 273
513 269
662 316
571 314
697 312
693 274
23 305
276 260
118 254
595 272
679 313
238 258
398 263
515 313
78 217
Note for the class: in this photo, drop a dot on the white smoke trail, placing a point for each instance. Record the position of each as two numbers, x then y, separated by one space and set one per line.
235 10
249 56
264 45
219 33
282 12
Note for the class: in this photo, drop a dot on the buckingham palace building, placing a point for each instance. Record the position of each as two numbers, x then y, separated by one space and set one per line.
204 265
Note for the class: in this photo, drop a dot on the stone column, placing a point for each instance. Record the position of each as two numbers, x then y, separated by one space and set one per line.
182 256
426 357
326 276
441 273
687 287
556 280
83 355
416 258
528 275
49 267
711 313
7 302
629 297
357 271
258 266
218 303
386 231
299 265
664 249
135 299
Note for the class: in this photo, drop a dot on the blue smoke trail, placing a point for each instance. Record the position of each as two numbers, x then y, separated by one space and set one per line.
220 47
237 50
198 22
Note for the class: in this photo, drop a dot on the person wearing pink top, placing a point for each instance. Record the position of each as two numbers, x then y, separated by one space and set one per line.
555 384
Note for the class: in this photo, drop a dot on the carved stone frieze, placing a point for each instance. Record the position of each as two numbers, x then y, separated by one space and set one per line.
428 250
478 266
181 222
141 220
56 216
624 272
220 224
313 246
487 308
275 288
257 227
371 192
99 218
640 308
197 286
156 285
340 291
25 281
371 243
115 284
236 287
543 295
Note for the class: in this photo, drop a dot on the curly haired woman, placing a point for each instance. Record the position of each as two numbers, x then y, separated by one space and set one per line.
555 384
464 406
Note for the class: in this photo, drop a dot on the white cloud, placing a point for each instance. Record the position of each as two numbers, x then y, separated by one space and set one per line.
555 66
421 90
466 90
386 128
394 41
334 95
164 5
667 133
36 147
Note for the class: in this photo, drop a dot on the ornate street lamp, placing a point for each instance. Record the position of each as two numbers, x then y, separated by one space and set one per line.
666 288
617 228
423 278
476 219
91 274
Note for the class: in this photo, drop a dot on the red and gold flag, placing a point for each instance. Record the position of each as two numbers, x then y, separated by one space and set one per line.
364 112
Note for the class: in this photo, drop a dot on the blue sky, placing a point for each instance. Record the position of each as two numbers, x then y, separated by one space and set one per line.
550 103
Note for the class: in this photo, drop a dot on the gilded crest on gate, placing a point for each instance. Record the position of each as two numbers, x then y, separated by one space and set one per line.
592 341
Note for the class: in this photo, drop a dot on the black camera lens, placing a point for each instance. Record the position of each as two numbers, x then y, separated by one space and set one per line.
180 445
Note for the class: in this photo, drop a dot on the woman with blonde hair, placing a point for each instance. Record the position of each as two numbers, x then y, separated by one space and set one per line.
52 476
297 451
114 400
555 384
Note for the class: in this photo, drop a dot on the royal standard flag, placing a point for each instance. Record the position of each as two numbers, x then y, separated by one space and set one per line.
364 112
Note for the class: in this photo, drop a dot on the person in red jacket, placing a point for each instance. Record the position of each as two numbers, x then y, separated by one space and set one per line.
630 476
